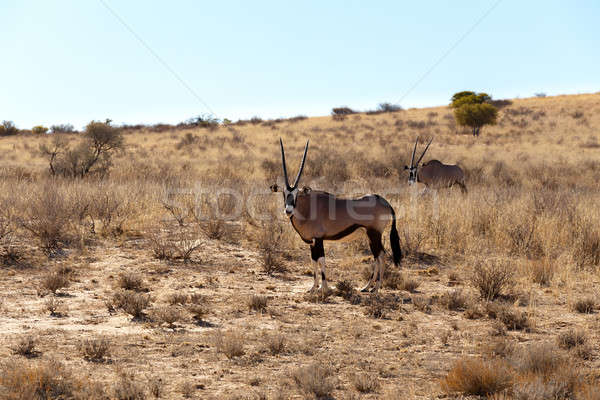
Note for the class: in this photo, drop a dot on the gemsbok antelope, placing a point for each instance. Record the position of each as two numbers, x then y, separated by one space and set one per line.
434 174
319 216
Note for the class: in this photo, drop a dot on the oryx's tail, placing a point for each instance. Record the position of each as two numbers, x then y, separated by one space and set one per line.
395 240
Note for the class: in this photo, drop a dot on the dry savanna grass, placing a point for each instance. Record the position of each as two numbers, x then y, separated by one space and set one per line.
170 270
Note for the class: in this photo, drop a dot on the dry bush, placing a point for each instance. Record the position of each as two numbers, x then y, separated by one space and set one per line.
275 343
422 303
396 280
131 281
187 389
230 343
315 380
512 318
54 306
269 240
10 254
365 383
177 299
491 279
477 377
539 358
26 347
377 306
198 307
95 350
257 303
345 289
571 338
131 302
586 246
167 315
156 387
542 271
162 248
54 281
35 381
585 305
128 388
185 247
454 300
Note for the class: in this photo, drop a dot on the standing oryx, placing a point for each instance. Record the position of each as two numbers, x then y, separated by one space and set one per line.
433 173
319 216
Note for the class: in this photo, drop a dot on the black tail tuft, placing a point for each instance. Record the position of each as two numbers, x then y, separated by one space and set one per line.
395 241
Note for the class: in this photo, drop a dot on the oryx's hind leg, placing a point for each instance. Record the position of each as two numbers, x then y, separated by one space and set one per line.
317 254
376 248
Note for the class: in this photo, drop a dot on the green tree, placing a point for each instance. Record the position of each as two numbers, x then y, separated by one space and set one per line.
473 110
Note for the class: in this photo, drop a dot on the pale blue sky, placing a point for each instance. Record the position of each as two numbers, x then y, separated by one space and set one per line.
71 61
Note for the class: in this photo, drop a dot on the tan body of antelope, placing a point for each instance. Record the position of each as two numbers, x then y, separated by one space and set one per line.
318 216
434 174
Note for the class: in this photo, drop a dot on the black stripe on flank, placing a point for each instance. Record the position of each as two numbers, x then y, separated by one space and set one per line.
343 233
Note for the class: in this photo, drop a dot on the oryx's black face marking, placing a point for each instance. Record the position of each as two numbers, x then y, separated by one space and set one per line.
413 169
290 193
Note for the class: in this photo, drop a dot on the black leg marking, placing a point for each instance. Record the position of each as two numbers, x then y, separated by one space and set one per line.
323 275
375 242
316 250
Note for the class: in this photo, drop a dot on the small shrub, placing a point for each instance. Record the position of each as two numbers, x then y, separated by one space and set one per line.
337 111
491 279
365 383
131 302
454 300
131 281
477 377
539 358
127 388
276 343
230 343
167 315
198 312
54 281
62 128
162 249
315 380
25 347
177 299
156 387
53 305
542 271
39 130
513 319
345 289
187 389
44 380
95 350
571 338
257 303
388 107
396 280
585 305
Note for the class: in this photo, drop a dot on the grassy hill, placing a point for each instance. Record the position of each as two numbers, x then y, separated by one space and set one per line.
181 264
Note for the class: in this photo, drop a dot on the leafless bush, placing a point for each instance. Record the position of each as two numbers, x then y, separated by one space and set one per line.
131 281
54 306
54 281
187 389
162 248
257 303
95 350
275 343
491 279
131 302
512 318
26 347
585 305
539 358
177 299
454 300
128 388
156 387
230 343
542 271
167 315
394 279
365 382
315 380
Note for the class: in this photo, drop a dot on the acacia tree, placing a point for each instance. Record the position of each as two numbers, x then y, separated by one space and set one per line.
473 110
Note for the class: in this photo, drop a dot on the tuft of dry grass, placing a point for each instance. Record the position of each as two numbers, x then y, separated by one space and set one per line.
44 380
95 350
585 305
53 282
571 338
168 315
275 343
365 383
131 302
315 380
230 343
127 387
131 281
477 377
257 303
26 347
454 300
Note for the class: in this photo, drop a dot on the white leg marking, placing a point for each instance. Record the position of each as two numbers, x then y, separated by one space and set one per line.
380 270
315 275
324 287
371 279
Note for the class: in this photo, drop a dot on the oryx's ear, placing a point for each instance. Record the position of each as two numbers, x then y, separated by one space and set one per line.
406 167
274 188
306 189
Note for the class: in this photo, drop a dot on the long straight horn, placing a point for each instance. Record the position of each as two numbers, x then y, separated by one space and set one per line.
412 159
287 182
301 165
424 151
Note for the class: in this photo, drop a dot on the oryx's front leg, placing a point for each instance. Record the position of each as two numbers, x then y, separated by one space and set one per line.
318 255
316 252
379 266
373 276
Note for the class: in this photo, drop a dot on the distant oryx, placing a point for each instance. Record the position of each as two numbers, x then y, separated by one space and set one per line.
319 216
434 174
